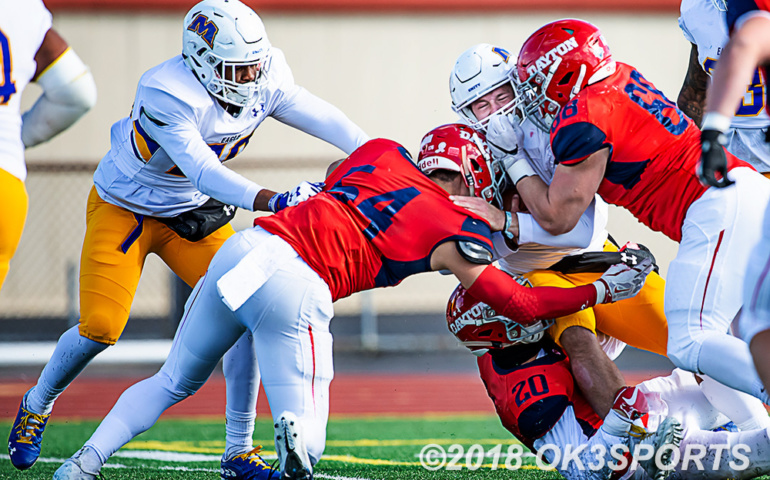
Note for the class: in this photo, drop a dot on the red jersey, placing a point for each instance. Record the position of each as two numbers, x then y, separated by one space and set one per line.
654 148
737 9
377 221
531 398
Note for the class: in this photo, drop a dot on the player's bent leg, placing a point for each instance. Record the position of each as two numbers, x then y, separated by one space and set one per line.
14 204
289 316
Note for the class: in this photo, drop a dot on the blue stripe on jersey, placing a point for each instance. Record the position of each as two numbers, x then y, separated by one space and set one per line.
472 225
736 8
626 174
577 141
392 272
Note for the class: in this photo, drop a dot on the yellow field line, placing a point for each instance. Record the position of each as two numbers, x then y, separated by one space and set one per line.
217 445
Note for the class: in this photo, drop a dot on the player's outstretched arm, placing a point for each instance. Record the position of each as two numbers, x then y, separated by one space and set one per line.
526 305
68 87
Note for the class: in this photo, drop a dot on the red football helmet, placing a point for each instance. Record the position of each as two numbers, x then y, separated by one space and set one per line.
556 63
459 148
479 328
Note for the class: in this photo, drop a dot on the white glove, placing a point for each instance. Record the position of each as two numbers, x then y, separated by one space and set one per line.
621 281
505 138
295 196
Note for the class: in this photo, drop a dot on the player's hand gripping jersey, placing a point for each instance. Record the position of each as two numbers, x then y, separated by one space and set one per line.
531 398
654 148
377 221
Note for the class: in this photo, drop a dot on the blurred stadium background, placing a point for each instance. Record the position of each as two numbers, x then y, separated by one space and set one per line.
384 63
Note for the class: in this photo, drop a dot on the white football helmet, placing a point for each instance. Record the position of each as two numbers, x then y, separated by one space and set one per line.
218 37
479 70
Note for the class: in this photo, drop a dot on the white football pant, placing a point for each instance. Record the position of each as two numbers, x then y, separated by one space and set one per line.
288 316
704 285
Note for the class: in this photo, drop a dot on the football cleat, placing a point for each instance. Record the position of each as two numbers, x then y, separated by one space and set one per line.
84 465
664 441
292 455
26 436
247 466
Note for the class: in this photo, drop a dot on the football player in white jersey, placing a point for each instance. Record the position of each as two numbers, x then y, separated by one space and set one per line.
162 188
32 51
703 24
482 91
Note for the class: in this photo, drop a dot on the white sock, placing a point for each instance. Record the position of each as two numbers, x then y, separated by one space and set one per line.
745 411
72 354
239 366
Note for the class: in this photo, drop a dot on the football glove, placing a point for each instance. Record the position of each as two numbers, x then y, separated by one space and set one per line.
712 169
295 196
505 137
632 253
621 281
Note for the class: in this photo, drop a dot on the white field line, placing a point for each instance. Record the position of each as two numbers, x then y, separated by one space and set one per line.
171 457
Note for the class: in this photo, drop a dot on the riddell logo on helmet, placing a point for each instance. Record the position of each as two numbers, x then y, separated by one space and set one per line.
549 57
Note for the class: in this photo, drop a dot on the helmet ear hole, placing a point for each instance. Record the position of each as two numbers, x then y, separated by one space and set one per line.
565 79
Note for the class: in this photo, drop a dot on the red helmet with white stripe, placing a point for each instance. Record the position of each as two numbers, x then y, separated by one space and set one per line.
459 148
556 63
480 328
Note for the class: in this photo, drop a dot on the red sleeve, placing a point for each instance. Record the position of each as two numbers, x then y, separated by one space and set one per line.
527 305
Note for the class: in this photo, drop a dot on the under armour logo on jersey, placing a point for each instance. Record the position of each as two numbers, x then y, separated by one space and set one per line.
229 209
255 112
625 258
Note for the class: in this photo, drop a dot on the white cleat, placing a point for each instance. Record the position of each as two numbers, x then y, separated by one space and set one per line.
75 468
290 446
664 441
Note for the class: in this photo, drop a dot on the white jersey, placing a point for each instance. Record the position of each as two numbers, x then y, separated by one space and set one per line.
166 157
23 25
537 248
706 27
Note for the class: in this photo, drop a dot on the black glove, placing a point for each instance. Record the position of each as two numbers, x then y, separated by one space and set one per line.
712 169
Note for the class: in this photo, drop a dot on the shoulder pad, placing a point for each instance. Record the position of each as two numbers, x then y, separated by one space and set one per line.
474 253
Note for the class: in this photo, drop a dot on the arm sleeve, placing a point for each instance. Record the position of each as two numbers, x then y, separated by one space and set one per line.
69 92
573 143
527 305
304 111
171 125
531 232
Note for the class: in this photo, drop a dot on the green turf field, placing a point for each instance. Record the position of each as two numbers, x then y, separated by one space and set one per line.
364 448
370 448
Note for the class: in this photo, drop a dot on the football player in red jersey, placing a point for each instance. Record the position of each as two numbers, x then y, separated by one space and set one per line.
749 47
528 377
378 220
613 133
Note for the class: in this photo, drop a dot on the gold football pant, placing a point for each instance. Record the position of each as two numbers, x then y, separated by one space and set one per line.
13 212
116 245
638 321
